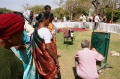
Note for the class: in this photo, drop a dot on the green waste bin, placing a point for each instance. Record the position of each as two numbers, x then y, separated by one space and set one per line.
100 41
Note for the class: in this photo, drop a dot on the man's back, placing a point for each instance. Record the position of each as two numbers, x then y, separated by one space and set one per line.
10 66
84 18
86 64
97 19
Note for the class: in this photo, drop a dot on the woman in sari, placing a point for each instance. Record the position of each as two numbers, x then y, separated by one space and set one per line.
45 57
23 52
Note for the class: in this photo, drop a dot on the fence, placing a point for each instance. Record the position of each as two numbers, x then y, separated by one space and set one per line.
114 29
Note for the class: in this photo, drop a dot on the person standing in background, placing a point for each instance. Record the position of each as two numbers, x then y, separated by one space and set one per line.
64 19
28 15
81 18
97 20
47 9
55 19
84 21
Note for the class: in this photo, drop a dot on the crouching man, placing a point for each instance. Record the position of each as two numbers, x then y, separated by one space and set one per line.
85 61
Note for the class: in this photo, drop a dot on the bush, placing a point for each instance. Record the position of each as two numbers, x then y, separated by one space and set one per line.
4 10
108 13
116 15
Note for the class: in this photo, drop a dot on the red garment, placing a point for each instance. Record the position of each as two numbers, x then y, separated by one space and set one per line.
10 25
45 64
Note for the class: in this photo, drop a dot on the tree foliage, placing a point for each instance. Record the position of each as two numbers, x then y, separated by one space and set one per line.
37 9
4 10
102 4
116 15
59 12
77 7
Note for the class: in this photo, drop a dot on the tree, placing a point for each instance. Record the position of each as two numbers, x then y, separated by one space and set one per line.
4 10
37 9
59 12
108 13
100 5
95 4
75 7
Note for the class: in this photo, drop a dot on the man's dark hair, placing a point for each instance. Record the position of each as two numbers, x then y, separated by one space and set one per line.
47 7
18 13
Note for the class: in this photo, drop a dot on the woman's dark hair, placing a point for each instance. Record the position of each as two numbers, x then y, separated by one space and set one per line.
42 16
18 13
51 17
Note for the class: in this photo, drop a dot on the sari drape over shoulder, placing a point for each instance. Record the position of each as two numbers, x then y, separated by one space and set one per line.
26 57
44 62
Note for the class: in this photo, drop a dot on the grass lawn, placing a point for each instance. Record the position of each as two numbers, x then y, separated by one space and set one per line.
66 55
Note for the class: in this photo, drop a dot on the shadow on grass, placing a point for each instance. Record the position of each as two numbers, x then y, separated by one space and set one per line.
98 63
68 42
59 56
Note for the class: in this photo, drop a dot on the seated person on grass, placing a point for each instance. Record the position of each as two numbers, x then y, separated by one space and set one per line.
85 61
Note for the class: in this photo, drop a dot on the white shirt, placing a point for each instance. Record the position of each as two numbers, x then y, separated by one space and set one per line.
29 29
64 18
84 18
27 14
97 19
56 18
81 17
45 34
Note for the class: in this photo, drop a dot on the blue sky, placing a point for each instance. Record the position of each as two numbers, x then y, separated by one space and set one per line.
17 4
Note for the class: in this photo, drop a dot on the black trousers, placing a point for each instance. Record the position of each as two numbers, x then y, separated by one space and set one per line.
96 25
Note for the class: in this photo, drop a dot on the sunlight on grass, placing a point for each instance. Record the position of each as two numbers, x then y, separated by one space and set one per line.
66 55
